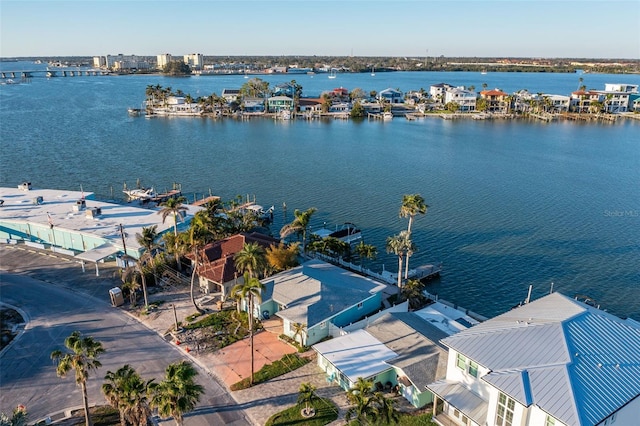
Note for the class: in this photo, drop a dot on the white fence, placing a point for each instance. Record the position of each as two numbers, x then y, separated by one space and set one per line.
335 331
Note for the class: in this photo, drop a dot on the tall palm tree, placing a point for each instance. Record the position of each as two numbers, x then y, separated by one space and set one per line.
412 291
178 393
125 391
250 290
412 204
299 225
173 207
398 245
199 235
83 357
148 241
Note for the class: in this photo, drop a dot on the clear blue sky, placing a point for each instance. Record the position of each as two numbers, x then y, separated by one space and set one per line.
535 28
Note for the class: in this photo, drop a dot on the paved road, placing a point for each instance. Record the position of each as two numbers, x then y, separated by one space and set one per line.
27 374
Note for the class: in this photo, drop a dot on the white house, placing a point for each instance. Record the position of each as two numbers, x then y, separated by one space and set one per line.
552 362
465 99
437 91
558 103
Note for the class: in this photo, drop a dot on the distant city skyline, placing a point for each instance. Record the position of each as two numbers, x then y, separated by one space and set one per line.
427 28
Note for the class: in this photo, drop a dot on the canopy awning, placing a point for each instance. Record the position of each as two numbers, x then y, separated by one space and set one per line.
461 398
99 253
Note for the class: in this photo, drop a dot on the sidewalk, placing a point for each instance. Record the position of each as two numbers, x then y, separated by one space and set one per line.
227 366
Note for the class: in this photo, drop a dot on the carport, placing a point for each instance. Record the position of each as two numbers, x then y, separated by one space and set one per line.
97 254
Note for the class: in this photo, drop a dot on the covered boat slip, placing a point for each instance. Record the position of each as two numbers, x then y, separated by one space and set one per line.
97 255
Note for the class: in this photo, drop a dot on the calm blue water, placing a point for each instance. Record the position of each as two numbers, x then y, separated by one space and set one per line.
512 203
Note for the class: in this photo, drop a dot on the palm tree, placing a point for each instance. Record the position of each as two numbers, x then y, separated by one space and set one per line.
173 207
18 417
385 409
398 245
306 395
366 251
251 259
299 225
412 291
362 403
298 330
250 290
178 393
412 204
130 283
83 358
199 235
125 391
148 241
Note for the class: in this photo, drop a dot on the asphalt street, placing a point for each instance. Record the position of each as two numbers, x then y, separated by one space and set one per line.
27 374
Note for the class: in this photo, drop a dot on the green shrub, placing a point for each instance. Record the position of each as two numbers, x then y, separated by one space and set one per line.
326 412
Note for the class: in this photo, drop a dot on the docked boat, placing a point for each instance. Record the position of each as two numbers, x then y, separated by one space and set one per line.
347 232
388 115
259 211
143 194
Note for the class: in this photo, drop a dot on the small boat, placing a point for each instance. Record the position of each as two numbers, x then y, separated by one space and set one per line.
348 232
260 212
387 115
373 72
484 72
332 74
144 194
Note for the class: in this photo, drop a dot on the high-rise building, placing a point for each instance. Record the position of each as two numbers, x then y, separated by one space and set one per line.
99 62
163 60
194 60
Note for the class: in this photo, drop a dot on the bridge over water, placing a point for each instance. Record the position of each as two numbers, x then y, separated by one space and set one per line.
60 72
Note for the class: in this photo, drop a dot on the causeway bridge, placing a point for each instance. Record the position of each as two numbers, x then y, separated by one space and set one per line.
60 72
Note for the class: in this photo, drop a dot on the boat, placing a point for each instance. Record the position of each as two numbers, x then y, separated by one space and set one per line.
484 72
259 211
373 72
332 74
347 232
143 194
387 115
135 111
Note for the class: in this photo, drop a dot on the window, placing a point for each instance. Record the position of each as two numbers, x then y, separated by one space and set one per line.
461 362
360 305
473 369
550 421
504 416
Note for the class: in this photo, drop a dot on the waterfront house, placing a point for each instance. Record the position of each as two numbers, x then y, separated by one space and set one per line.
230 95
465 99
634 102
437 91
496 100
312 295
340 107
556 103
252 104
582 100
554 361
284 89
392 96
280 103
617 97
310 104
397 349
216 270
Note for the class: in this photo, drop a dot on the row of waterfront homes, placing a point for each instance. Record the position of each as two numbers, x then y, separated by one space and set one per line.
615 98
555 361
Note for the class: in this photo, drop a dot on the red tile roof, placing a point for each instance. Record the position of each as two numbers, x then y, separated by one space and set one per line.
218 264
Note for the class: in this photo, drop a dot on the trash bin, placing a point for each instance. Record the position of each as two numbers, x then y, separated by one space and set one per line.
117 298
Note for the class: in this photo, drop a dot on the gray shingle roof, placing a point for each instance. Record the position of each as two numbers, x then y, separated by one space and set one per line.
420 355
575 362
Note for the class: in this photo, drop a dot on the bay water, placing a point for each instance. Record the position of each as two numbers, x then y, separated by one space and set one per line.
512 203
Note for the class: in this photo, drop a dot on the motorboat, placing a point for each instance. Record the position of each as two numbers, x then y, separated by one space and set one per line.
388 115
143 194
347 232
259 211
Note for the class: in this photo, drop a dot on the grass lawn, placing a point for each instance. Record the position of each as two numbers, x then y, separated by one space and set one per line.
287 363
326 412
404 420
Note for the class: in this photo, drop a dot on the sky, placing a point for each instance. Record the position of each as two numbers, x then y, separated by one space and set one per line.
414 28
